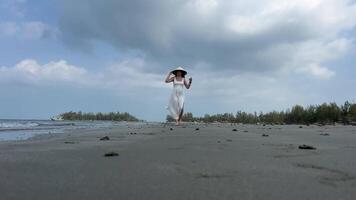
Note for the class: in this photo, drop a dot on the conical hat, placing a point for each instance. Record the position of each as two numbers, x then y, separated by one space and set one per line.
179 69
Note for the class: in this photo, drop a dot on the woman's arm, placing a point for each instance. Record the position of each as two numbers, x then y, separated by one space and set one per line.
187 85
168 78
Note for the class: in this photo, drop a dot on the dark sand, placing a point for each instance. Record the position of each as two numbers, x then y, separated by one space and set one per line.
213 162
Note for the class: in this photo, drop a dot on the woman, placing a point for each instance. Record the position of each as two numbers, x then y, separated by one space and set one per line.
176 101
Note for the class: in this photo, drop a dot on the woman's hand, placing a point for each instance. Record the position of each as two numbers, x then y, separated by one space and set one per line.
187 85
169 78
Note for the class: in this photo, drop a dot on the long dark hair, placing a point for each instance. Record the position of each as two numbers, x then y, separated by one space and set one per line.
183 74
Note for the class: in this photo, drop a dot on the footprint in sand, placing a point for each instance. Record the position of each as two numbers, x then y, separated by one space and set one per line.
212 175
330 177
290 151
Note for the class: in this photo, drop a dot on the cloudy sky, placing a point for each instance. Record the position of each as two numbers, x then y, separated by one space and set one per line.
113 55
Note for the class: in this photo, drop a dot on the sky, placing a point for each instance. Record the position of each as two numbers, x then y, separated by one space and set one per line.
113 55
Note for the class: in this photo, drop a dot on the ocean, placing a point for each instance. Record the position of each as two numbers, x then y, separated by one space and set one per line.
12 129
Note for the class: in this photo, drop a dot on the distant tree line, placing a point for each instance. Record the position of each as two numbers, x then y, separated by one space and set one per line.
113 116
326 113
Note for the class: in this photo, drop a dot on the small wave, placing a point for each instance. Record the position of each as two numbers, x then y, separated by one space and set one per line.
18 124
57 124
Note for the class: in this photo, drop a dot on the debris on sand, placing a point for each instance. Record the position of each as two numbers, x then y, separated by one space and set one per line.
171 129
149 133
308 147
197 129
265 135
110 154
69 142
105 138
234 129
300 126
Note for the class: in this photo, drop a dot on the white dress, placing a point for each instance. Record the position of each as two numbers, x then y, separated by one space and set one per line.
176 100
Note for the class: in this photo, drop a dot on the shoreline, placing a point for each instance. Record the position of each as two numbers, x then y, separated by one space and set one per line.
20 130
52 133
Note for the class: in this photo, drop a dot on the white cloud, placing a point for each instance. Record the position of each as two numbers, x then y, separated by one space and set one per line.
15 8
247 25
132 73
317 71
212 91
231 35
122 76
233 90
27 30
203 7
8 28
307 58
34 29
31 72
323 17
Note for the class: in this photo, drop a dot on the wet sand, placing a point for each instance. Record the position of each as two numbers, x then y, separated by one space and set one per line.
213 162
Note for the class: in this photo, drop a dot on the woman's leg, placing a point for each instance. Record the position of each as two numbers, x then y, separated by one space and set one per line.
176 109
180 115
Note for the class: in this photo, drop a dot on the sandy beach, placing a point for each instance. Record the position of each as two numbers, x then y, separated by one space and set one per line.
158 161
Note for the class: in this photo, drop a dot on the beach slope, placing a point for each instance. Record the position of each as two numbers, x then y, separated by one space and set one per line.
194 161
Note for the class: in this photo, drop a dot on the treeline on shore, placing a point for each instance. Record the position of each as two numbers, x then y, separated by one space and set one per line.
113 116
326 113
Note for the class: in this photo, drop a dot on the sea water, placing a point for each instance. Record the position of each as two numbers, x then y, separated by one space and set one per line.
12 129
